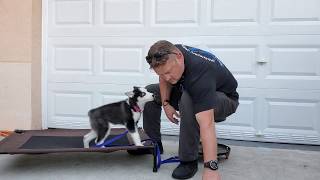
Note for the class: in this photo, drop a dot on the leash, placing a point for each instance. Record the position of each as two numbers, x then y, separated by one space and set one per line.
174 159
110 141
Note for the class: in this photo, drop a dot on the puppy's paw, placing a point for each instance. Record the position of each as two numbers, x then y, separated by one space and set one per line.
86 145
139 144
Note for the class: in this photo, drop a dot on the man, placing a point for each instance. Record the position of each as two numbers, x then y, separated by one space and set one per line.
203 90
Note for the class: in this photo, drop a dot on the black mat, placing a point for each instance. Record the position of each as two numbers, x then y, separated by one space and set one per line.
58 142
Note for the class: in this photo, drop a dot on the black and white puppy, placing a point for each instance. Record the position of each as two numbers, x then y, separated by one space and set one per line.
126 112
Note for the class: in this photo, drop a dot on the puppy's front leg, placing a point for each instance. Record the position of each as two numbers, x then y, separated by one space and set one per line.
89 137
136 137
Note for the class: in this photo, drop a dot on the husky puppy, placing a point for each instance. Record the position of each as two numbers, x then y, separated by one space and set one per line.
126 112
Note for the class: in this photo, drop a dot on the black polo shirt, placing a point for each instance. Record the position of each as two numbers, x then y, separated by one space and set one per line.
203 76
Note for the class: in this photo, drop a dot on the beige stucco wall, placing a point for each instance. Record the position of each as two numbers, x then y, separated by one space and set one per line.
20 64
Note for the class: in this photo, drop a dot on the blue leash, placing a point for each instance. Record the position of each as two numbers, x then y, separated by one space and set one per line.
110 141
173 159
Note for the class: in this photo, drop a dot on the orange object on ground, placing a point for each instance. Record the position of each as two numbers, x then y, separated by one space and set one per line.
4 133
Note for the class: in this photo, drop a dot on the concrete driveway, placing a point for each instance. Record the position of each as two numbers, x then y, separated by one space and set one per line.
245 163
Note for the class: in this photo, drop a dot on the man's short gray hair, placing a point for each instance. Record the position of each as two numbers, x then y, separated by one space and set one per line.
158 53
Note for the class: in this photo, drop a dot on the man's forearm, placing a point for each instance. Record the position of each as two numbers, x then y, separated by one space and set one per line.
165 89
208 134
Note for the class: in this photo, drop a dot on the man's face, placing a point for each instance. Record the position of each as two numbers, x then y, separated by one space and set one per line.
172 70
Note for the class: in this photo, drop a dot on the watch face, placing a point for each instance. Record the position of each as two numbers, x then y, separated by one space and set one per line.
213 165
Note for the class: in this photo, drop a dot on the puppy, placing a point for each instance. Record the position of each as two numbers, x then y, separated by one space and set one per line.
126 112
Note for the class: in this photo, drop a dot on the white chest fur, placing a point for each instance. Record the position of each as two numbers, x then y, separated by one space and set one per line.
136 115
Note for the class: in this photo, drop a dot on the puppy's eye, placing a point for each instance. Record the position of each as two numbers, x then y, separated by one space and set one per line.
143 94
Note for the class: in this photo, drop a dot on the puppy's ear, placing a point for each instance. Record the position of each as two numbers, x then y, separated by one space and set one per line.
135 88
130 94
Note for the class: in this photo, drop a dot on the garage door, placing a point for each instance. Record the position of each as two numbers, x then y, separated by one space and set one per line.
93 51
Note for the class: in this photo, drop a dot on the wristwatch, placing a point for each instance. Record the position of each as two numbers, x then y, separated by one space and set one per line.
165 102
213 165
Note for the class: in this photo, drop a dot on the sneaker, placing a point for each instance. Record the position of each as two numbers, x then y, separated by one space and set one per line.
185 170
145 151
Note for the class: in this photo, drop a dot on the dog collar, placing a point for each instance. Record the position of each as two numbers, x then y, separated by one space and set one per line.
136 109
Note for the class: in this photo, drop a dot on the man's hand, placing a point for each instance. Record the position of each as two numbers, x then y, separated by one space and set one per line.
172 114
208 174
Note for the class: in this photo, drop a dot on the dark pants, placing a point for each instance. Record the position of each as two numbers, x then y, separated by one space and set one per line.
189 137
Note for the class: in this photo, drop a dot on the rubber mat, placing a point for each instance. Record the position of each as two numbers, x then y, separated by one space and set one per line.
56 142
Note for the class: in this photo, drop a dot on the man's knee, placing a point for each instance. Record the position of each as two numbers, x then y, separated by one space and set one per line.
153 88
225 107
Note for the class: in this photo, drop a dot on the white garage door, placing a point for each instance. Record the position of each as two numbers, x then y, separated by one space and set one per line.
93 51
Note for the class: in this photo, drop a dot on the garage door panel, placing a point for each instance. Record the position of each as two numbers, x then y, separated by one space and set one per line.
292 17
291 114
113 12
73 59
295 61
96 62
69 109
110 98
295 10
122 59
229 11
69 103
240 54
292 62
165 12
289 82
293 67
99 93
241 61
79 12
63 122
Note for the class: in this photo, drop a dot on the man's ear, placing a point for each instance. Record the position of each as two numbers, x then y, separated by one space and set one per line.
180 57
130 94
